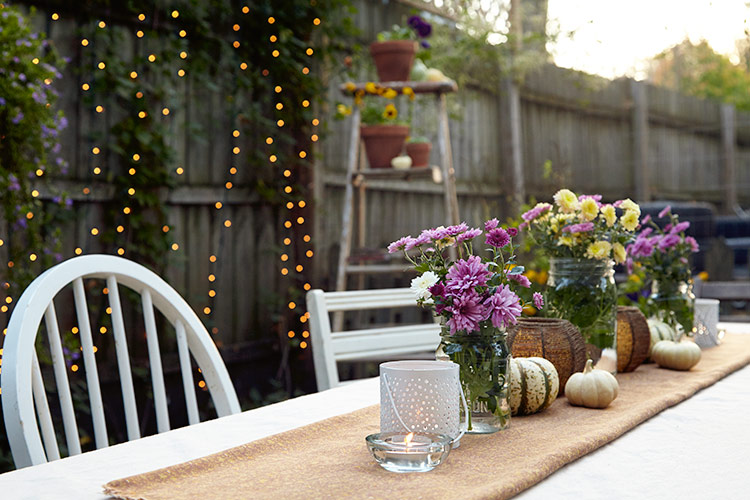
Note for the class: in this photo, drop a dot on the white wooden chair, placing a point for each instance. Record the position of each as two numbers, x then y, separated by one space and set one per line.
22 384
379 342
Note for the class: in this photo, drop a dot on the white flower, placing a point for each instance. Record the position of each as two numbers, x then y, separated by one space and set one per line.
420 286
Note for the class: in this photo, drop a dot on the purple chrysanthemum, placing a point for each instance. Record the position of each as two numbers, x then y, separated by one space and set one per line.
466 275
491 224
536 212
538 300
504 307
642 247
520 279
401 244
457 229
467 311
595 197
512 231
680 227
646 219
497 238
665 211
583 227
468 235
667 241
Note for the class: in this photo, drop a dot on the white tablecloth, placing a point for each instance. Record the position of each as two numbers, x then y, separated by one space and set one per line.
695 450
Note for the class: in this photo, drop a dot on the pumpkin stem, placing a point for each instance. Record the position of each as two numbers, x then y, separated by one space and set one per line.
589 366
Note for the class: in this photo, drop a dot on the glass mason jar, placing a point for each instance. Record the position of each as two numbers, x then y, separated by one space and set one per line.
483 358
583 291
673 302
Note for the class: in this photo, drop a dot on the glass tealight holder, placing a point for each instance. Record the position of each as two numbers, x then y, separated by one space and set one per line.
409 452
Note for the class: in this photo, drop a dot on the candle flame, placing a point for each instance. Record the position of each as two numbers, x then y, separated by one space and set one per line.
408 438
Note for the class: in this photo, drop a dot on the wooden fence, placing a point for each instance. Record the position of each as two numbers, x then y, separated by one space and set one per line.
620 138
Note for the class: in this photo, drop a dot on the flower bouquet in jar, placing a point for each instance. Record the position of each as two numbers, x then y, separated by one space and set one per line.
475 298
583 239
663 253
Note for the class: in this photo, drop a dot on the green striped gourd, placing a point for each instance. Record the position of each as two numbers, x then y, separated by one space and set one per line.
534 385
660 331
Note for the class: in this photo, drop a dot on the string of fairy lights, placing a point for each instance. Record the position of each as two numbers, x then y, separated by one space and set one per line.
288 269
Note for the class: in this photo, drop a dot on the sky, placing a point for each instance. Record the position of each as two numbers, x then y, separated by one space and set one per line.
615 38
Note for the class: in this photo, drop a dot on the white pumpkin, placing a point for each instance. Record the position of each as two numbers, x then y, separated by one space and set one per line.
401 162
592 388
660 331
534 384
676 355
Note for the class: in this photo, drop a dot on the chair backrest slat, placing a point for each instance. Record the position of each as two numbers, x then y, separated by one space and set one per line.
154 359
379 342
187 373
101 437
42 408
123 360
59 366
28 420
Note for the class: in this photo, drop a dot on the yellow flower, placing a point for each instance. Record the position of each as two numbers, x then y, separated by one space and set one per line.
343 109
634 278
371 88
589 209
609 214
567 200
630 220
410 92
350 86
566 241
389 93
599 250
703 275
390 112
628 204
619 252
531 274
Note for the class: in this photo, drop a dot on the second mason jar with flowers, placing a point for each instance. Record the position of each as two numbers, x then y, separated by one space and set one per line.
583 239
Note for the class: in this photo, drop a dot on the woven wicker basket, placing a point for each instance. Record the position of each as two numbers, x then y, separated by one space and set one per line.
557 340
633 338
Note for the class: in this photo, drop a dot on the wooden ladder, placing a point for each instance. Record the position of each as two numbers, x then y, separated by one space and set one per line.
357 177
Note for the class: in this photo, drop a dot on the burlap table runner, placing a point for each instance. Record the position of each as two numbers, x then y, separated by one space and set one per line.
329 459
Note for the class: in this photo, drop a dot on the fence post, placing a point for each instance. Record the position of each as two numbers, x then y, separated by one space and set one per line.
728 165
510 109
641 179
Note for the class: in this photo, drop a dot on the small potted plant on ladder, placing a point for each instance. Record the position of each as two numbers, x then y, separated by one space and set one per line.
394 51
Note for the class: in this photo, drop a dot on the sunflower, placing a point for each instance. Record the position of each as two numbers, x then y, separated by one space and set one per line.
390 112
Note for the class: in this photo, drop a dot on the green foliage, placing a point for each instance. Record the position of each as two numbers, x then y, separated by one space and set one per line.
29 149
698 70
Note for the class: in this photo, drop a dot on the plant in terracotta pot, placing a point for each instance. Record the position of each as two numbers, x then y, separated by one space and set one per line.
383 134
418 148
394 51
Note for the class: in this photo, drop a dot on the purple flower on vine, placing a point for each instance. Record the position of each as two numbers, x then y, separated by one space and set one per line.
420 26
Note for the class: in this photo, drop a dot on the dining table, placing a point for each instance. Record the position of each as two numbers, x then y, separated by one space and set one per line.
696 449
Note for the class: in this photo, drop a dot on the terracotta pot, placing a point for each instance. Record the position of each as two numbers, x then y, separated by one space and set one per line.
393 59
633 338
383 143
557 340
419 153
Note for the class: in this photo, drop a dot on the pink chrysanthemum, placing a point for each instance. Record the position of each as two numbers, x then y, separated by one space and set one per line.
538 300
468 235
497 238
467 311
504 307
521 280
405 243
466 275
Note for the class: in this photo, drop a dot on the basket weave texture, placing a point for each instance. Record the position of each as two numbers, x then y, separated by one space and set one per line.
556 340
633 338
